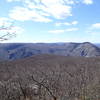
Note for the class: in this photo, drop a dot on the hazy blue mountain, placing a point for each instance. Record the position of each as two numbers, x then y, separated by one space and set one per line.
97 44
11 51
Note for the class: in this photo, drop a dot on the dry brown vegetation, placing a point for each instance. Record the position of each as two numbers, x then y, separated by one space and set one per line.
48 77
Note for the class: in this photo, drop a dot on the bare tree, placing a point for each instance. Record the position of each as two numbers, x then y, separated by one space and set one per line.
6 32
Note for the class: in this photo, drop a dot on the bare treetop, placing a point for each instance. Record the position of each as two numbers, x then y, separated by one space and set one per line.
7 32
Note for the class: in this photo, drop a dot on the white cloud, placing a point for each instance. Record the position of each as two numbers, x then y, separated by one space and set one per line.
41 10
22 14
71 29
67 23
60 24
88 2
70 1
94 29
96 26
74 22
44 10
57 31
63 31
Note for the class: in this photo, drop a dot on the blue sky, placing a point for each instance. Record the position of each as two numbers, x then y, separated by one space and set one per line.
51 20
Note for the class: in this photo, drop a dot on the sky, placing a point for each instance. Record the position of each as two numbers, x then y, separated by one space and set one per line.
50 21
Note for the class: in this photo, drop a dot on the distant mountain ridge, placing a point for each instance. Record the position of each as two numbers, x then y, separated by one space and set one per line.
12 51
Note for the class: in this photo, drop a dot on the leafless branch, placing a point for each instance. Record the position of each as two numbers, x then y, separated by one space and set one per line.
7 35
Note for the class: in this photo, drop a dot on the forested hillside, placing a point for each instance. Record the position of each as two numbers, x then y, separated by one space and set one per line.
49 77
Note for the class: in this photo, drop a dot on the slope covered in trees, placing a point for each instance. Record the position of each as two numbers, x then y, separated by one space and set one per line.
49 77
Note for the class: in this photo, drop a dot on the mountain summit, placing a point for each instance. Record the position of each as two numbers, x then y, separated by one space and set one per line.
86 49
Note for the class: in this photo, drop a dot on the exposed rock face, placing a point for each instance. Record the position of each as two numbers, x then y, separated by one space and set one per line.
87 50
